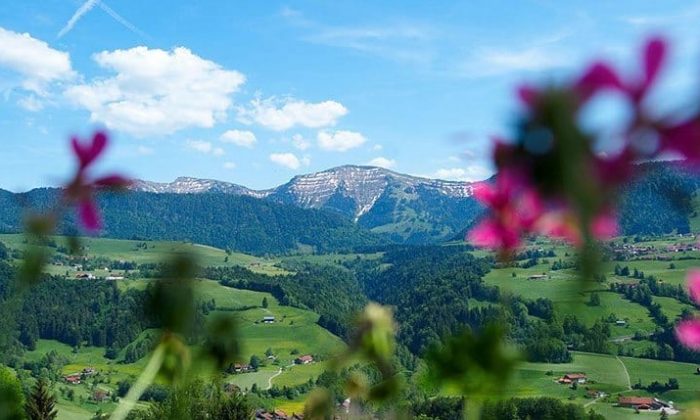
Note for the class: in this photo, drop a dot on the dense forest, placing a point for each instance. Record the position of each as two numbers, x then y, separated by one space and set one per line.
93 313
226 221
659 202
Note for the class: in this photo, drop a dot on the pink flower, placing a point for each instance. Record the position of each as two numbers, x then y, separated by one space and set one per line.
604 226
87 153
654 55
528 95
693 280
683 137
601 76
565 225
688 333
614 170
515 208
81 190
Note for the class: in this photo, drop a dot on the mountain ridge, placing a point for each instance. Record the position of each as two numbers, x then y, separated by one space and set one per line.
404 207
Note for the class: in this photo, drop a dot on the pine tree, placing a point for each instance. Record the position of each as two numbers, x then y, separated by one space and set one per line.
41 404
264 302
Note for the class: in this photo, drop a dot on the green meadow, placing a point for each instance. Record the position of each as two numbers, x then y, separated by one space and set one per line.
154 252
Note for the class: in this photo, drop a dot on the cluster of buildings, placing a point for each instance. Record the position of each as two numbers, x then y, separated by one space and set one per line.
573 378
644 403
682 247
652 252
77 378
276 415
90 276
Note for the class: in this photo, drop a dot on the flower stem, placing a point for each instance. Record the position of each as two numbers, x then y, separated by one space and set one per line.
145 379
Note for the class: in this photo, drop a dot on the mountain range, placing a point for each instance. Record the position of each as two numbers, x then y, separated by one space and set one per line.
403 208
339 209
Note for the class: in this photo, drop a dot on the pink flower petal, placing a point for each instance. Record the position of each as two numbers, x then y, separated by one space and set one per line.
528 95
597 77
490 234
683 137
89 215
693 281
80 152
99 142
88 153
604 226
484 192
558 225
688 333
654 53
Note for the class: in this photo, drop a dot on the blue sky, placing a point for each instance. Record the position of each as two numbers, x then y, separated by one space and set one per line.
255 92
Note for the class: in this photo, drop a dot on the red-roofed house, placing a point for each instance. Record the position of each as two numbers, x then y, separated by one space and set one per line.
304 360
73 379
643 403
579 378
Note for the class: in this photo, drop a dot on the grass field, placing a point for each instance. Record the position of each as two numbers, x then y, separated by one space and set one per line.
295 332
155 251
606 373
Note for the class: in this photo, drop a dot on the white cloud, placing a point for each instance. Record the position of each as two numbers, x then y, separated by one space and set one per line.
300 142
240 138
496 61
157 92
280 115
31 103
340 141
470 173
145 150
377 147
382 162
288 160
34 61
205 147
229 165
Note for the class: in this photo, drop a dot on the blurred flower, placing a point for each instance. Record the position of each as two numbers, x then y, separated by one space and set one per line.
81 190
515 209
693 280
688 331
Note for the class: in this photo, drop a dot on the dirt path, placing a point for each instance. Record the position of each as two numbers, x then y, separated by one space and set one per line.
595 400
279 372
627 374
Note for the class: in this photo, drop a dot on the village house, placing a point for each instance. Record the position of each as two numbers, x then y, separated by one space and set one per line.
276 415
240 368
114 277
304 360
100 395
268 319
89 371
73 378
643 403
570 378
85 276
537 277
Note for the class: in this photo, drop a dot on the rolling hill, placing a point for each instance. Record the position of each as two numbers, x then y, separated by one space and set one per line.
225 221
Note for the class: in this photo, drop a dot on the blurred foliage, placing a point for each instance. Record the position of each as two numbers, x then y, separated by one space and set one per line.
473 364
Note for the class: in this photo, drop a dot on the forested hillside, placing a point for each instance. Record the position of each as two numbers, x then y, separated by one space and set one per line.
660 201
222 220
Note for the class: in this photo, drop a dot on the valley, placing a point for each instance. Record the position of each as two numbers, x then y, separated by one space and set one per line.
296 330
